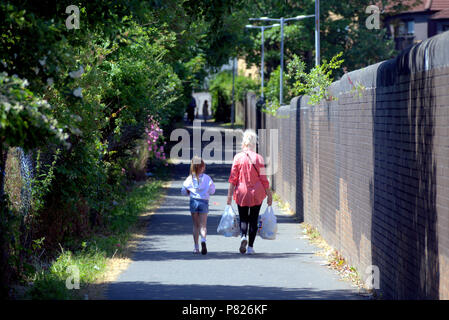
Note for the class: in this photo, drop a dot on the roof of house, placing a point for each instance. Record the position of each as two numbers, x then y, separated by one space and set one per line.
443 14
419 5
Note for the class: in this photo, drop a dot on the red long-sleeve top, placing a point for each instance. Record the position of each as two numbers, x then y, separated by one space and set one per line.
249 185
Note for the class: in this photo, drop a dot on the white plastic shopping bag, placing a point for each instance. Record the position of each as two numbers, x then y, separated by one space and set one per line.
268 224
229 225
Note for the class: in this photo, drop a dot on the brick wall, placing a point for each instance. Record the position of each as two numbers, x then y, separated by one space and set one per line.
370 170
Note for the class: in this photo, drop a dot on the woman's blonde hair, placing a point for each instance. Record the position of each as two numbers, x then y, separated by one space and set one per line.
196 166
249 139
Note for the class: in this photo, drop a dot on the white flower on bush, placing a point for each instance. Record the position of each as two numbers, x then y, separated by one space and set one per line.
43 61
78 92
76 131
77 73
50 81
76 118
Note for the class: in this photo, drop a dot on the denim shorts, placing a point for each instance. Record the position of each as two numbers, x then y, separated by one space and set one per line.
199 205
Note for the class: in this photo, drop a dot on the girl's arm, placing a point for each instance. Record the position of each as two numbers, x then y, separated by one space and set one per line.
184 190
211 187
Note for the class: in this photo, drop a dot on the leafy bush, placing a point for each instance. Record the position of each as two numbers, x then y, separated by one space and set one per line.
298 82
273 90
25 119
315 83
90 255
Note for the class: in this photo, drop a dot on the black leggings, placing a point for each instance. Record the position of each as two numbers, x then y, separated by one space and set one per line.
249 215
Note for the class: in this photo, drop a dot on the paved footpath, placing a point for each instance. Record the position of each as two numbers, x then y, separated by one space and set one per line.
164 266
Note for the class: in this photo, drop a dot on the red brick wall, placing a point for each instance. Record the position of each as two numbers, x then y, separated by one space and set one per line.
371 169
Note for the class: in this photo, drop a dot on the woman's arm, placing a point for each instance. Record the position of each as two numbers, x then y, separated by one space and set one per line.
233 179
269 197
230 193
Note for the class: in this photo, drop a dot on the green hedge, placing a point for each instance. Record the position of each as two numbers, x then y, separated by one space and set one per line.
220 88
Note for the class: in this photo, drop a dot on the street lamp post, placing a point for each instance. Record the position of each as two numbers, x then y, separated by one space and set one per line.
233 95
282 21
317 32
262 28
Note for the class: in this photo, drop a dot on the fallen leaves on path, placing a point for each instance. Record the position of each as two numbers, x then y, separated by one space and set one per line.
335 260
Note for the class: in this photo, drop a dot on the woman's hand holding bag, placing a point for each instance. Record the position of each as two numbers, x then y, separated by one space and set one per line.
229 225
268 224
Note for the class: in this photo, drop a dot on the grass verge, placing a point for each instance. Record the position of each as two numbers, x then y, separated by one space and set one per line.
228 125
283 205
102 257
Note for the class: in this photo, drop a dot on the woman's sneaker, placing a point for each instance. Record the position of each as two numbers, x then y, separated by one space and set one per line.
250 250
243 245
203 247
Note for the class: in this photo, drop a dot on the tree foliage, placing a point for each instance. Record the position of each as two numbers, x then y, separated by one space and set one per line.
81 100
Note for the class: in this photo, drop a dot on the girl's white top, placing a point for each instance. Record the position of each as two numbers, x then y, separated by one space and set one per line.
198 189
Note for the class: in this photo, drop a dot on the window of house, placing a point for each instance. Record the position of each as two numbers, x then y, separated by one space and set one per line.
405 28
410 27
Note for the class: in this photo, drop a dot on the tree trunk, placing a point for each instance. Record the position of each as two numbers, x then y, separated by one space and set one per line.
3 158
5 273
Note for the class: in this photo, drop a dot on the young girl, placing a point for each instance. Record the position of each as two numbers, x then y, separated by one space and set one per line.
199 186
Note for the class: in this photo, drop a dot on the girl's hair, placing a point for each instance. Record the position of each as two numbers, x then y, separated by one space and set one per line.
196 166
249 139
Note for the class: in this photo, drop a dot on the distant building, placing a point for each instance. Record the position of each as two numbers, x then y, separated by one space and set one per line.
422 21
242 68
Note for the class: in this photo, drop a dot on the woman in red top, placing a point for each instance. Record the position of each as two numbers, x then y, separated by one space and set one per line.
249 186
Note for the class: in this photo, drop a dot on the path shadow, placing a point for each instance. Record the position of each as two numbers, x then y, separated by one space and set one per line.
164 255
157 291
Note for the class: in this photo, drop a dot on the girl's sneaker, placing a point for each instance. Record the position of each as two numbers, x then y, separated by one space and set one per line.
203 247
243 245
196 249
250 250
